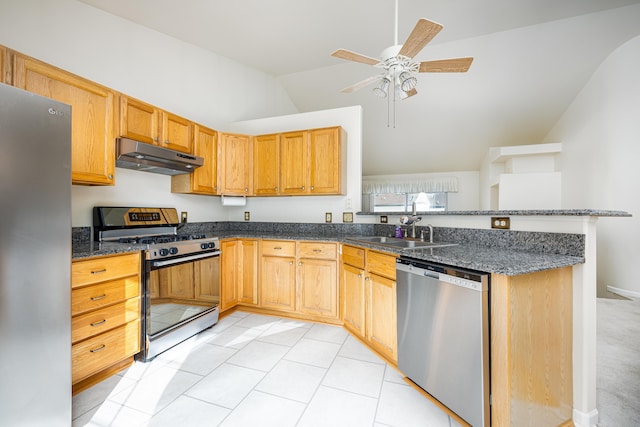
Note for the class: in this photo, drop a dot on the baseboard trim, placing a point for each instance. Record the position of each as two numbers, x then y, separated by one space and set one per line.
585 419
624 292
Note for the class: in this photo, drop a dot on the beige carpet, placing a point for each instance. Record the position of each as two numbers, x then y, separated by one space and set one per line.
618 363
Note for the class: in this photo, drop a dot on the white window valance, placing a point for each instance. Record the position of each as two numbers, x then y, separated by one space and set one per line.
445 184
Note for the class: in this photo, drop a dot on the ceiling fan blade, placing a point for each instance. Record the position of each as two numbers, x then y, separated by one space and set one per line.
422 34
356 57
455 65
360 84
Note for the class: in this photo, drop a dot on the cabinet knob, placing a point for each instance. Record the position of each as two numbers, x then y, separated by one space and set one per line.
290 262
246 190
366 278
166 141
275 189
312 188
300 263
110 176
359 276
155 139
302 188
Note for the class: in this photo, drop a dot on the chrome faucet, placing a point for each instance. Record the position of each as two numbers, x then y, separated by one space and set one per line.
430 233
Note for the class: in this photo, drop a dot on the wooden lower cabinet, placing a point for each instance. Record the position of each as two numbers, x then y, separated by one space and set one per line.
531 349
318 286
300 278
105 315
368 298
239 273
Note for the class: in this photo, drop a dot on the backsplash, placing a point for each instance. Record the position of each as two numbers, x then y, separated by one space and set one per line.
550 243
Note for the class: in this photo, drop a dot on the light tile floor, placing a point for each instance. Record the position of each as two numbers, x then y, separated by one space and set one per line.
255 370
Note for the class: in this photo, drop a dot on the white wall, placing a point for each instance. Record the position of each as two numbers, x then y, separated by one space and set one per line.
181 78
600 135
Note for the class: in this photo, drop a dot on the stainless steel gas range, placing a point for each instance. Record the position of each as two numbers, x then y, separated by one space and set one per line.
181 289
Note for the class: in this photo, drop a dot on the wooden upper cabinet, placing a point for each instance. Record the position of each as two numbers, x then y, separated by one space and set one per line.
92 117
294 169
203 180
145 123
235 165
327 161
5 76
138 120
177 133
266 165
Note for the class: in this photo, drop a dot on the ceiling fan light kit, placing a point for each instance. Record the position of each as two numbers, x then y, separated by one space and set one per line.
398 65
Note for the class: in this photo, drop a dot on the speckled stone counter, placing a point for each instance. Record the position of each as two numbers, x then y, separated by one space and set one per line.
80 250
493 251
530 212
482 258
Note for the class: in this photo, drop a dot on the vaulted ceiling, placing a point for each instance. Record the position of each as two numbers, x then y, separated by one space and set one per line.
531 59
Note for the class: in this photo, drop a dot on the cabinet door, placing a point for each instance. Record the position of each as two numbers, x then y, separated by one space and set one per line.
248 266
235 165
278 283
294 165
318 287
138 121
177 133
229 276
325 161
203 180
92 111
381 315
5 76
353 299
266 165
206 273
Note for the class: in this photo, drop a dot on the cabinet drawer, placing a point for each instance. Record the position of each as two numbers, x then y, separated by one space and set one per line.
102 320
318 250
97 270
353 256
279 248
104 294
97 353
381 264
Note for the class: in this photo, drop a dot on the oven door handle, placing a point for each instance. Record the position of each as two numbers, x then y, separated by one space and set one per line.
164 263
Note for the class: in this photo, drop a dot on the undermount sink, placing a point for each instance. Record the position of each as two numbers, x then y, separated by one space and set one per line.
400 243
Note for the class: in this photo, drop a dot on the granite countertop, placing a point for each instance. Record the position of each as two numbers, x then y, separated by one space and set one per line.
474 257
482 258
530 212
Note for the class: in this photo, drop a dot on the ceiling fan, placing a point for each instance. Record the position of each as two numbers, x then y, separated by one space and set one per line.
398 64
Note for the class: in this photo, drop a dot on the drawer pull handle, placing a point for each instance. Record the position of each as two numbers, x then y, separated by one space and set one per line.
104 270
277 248
97 349
99 297
317 250
99 322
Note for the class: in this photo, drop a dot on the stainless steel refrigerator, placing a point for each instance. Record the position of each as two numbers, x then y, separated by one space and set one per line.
35 260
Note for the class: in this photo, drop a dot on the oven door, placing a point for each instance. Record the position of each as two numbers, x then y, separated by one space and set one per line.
181 299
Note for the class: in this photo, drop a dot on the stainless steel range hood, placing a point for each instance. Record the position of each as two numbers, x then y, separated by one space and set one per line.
139 156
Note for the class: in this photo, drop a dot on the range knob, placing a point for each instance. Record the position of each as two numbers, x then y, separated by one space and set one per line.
163 252
173 250
211 245
203 246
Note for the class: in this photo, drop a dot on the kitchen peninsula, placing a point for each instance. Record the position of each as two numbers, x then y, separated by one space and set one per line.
550 247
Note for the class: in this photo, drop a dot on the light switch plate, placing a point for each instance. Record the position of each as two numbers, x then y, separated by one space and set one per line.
247 216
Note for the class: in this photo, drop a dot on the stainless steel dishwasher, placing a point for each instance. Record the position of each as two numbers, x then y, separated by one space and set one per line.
443 335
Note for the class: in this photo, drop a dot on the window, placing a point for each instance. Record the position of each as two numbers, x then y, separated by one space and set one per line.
403 202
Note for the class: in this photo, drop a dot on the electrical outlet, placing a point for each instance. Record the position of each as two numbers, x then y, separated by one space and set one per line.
328 217
183 217
502 223
384 219
247 216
